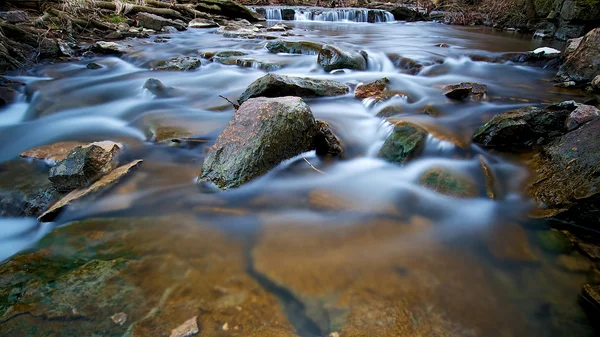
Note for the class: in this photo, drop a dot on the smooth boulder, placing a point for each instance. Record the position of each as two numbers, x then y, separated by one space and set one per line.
274 85
181 63
262 133
83 165
375 89
406 142
293 47
466 90
333 58
157 23
583 64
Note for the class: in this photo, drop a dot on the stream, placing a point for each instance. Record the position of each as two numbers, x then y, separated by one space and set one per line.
360 248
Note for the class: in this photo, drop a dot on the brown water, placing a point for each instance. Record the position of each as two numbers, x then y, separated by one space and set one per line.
362 250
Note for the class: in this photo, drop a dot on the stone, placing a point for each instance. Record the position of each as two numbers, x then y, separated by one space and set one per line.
274 85
581 115
373 89
509 243
104 47
554 241
158 89
202 23
572 45
332 58
278 27
262 133
522 128
406 64
405 143
227 57
596 83
448 182
567 176
584 63
169 29
93 66
546 51
157 23
181 63
104 182
84 164
569 31
52 153
119 318
14 16
187 329
402 13
294 47
591 294
472 91
574 263
65 49
228 8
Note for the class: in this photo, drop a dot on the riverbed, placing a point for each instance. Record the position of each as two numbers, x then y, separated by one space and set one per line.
355 246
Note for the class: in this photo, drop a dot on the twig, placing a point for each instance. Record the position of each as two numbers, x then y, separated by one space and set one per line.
314 168
235 106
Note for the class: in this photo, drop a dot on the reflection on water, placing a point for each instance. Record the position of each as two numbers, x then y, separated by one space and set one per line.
365 249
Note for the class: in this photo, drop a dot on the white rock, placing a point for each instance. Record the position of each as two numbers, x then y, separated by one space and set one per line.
188 328
546 51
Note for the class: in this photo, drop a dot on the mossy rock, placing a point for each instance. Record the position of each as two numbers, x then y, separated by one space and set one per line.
555 241
406 142
450 183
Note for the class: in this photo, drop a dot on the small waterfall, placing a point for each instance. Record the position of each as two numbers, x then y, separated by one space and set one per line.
326 14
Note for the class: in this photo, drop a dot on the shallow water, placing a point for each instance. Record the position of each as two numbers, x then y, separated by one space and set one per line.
362 249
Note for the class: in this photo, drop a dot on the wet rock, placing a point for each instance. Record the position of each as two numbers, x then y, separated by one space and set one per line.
52 153
574 263
406 142
554 241
242 29
258 64
7 95
157 23
448 182
567 175
572 45
119 318
274 85
262 133
93 66
509 243
84 164
188 328
65 49
332 58
169 29
406 14
104 47
523 127
14 16
202 23
591 292
373 89
227 57
294 47
278 27
181 63
580 116
472 91
228 8
158 89
596 83
582 65
101 184
405 64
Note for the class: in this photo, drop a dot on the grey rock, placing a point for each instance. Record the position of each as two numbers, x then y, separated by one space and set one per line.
155 22
169 29
273 85
294 47
332 58
580 116
14 16
182 63
202 23
262 133
584 63
104 47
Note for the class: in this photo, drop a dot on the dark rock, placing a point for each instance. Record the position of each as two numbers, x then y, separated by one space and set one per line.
227 57
273 85
406 14
522 127
567 174
464 90
157 23
288 14
294 47
591 293
584 63
373 89
93 66
406 142
580 116
202 23
405 64
448 182
554 241
569 31
332 58
14 16
84 165
229 9
182 63
158 89
262 133
7 95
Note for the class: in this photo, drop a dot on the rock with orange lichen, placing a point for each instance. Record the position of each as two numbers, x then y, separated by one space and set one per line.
262 133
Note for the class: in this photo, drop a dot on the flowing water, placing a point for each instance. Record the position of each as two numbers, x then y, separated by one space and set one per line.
362 248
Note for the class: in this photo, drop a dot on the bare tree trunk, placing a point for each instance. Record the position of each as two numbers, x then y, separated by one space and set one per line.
530 9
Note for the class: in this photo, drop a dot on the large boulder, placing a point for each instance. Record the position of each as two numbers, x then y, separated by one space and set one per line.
84 165
407 14
181 63
332 58
524 127
229 9
262 133
294 47
583 64
406 142
157 23
572 18
273 85
466 90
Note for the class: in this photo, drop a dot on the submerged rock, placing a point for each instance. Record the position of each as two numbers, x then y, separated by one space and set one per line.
294 47
406 142
158 89
262 133
509 243
524 127
373 89
274 85
472 91
52 153
332 58
84 164
583 64
448 182
157 23
182 63
98 186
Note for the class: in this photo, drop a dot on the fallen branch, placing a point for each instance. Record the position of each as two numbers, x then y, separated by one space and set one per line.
314 168
235 106
166 12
